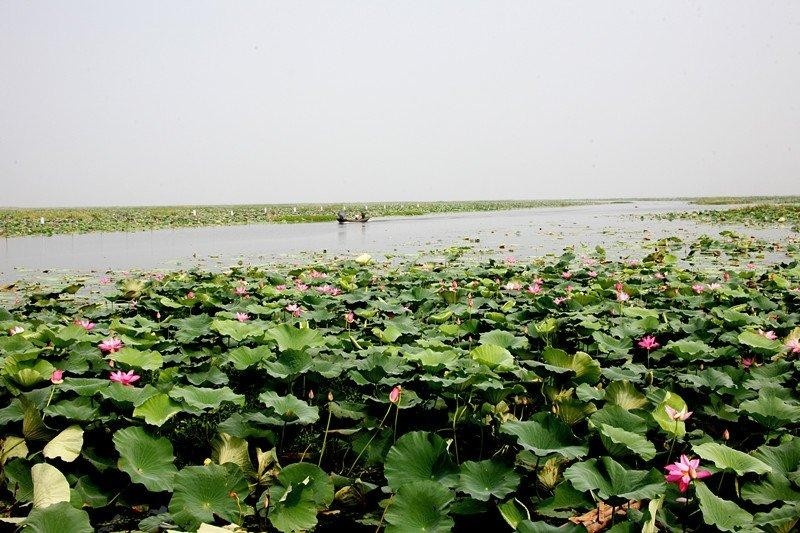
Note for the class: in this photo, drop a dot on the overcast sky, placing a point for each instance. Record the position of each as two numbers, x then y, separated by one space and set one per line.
139 102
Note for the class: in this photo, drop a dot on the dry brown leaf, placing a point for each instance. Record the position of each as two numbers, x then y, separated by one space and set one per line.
600 518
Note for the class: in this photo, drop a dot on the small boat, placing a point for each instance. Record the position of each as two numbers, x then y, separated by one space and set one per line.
346 220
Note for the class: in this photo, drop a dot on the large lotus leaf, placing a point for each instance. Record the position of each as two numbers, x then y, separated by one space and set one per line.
190 328
206 398
144 360
49 485
674 427
504 339
609 479
634 442
89 493
544 435
244 357
420 506
157 409
289 408
66 445
691 350
774 487
784 458
780 519
302 489
710 377
419 456
230 449
488 478
71 334
78 409
289 337
608 344
203 492
146 459
586 369
236 330
730 459
759 342
388 335
724 514
11 447
495 357
526 526
624 394
84 386
769 407
57 518
434 358
125 394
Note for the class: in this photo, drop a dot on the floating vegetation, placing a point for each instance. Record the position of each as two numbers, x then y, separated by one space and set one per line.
573 391
755 215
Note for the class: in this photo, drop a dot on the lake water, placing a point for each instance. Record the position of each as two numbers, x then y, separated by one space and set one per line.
523 233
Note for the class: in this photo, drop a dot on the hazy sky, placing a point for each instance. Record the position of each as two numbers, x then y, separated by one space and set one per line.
138 102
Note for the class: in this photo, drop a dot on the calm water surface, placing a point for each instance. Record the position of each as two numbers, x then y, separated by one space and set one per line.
524 233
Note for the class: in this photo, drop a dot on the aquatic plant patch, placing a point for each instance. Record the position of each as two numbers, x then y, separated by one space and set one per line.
565 393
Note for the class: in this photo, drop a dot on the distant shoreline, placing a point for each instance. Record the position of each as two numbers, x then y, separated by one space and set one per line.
21 222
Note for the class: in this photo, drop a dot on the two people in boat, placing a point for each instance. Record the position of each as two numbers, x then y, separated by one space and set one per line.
341 216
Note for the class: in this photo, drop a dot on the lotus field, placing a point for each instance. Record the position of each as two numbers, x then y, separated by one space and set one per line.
564 393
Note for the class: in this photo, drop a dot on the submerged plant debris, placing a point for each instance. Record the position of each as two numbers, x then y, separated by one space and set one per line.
658 393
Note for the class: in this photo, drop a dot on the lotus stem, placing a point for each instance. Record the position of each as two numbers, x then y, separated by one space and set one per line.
455 435
389 410
325 438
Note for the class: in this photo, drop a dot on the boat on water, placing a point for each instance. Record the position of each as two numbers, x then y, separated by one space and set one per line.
341 217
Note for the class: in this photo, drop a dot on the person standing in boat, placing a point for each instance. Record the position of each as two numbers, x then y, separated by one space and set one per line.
341 216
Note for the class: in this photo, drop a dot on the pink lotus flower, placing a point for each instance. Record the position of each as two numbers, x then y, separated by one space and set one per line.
158 276
768 334
57 377
676 415
242 317
659 275
747 362
470 301
241 290
649 343
592 274
560 300
633 262
623 296
190 295
513 286
280 287
350 317
510 260
295 309
85 324
793 345
315 274
16 330
394 395
329 290
535 288
124 378
111 345
698 288
751 266
714 286
105 280
589 261
618 287
566 274
684 472
726 276
300 286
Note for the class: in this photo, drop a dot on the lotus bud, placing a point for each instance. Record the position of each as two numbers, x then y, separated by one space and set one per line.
57 377
649 378
330 396
311 394
726 434
394 395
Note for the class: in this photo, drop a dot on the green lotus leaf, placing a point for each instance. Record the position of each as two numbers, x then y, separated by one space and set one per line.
586 369
632 441
435 358
124 394
609 479
526 526
244 357
504 339
730 459
66 445
420 506
80 409
488 478
770 409
759 342
146 459
419 456
544 434
84 386
143 360
289 408
202 493
495 357
691 350
11 447
724 514
205 398
157 409
660 415
236 330
302 489
289 337
230 449
608 344
624 394
89 493
49 485
191 328
289 363
57 518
